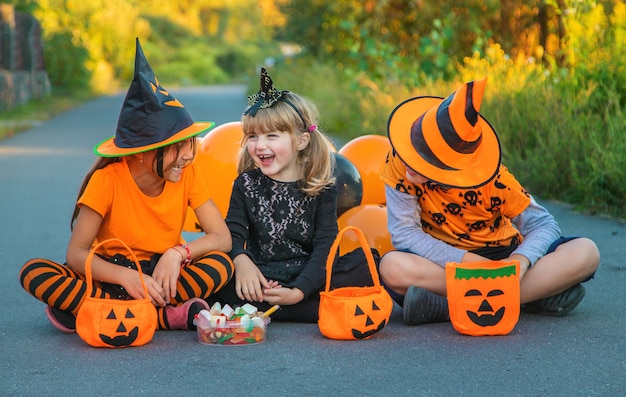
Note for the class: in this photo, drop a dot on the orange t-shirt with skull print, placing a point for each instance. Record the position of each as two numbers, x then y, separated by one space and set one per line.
464 218
148 225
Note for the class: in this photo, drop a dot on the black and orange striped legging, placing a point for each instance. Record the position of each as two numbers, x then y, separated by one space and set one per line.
63 288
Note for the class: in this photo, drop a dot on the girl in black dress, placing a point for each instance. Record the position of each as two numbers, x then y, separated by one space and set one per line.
283 207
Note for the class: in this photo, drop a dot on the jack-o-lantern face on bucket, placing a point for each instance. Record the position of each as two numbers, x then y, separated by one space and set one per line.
485 313
117 325
368 321
483 298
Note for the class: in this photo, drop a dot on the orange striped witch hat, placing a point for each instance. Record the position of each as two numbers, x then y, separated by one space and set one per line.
446 140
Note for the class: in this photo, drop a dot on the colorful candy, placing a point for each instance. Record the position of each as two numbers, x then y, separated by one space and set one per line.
227 326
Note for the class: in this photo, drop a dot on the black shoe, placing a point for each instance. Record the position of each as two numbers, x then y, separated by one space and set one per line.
557 305
61 320
422 306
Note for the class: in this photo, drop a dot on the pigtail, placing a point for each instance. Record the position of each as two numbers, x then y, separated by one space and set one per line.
318 164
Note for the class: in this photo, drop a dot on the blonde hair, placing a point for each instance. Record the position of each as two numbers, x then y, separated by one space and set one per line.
315 160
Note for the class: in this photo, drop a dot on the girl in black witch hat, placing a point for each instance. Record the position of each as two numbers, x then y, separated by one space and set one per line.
138 191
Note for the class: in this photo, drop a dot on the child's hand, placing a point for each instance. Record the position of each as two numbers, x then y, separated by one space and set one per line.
133 286
282 296
472 257
524 264
166 272
249 281
273 284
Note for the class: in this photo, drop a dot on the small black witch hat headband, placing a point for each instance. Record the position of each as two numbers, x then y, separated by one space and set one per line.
268 96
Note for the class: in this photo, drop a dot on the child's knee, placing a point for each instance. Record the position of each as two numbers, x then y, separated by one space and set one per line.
592 253
390 269
594 249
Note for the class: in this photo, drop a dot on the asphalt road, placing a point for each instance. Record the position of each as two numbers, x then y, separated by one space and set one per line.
582 354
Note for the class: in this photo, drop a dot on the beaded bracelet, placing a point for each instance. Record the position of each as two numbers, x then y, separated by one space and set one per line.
186 261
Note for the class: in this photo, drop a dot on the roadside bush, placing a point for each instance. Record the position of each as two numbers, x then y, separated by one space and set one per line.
562 141
561 132
70 75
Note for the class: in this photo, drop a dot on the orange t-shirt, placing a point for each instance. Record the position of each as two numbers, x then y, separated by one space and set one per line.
464 218
148 225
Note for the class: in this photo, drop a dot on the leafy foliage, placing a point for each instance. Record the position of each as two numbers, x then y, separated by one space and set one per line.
187 42
557 79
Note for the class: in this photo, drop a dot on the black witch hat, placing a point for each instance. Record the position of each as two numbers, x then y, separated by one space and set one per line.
150 117
268 96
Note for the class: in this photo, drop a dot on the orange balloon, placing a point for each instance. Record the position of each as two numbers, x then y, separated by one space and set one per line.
217 159
372 220
368 154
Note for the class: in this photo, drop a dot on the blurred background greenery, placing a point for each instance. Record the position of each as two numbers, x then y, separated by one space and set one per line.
556 68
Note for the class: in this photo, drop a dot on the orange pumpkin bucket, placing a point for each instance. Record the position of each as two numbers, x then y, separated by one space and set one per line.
483 297
104 322
353 313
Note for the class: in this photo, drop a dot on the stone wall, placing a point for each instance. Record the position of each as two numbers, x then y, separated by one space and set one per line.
22 71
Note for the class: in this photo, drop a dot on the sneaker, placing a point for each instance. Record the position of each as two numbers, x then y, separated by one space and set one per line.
557 305
181 317
62 320
421 306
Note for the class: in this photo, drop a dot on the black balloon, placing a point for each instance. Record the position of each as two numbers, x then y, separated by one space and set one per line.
349 184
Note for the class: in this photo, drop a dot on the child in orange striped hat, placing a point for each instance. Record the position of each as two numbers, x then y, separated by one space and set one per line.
450 199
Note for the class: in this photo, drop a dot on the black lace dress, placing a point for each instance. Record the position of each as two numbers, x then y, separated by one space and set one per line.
286 233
